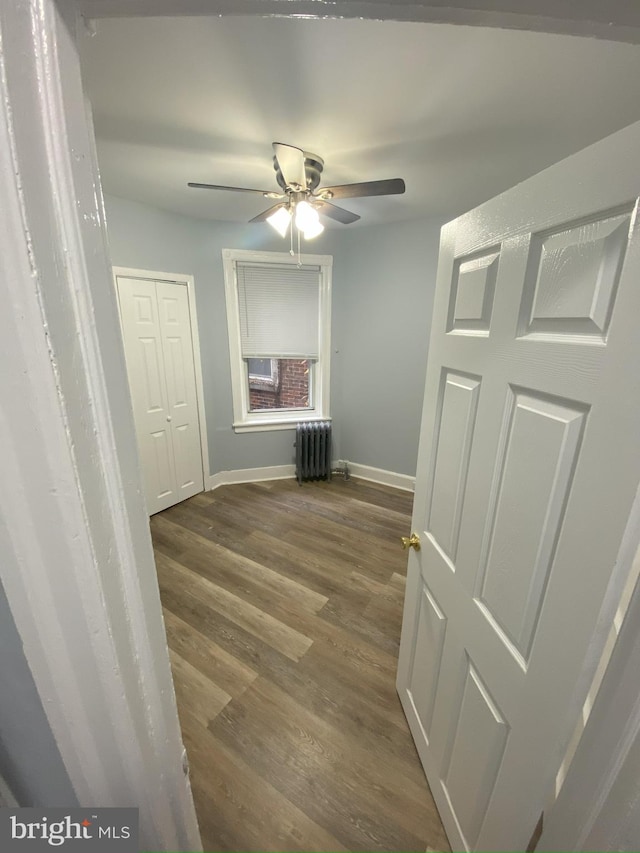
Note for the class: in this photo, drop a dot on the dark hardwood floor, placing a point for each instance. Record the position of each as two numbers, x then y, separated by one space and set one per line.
283 607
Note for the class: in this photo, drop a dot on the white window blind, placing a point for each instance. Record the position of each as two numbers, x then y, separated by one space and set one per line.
279 311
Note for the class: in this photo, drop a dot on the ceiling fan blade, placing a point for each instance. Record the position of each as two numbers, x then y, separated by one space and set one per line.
335 212
393 186
261 217
291 162
265 193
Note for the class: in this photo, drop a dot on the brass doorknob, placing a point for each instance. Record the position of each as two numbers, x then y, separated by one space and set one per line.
412 541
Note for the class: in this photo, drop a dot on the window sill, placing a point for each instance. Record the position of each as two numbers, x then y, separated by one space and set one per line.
288 422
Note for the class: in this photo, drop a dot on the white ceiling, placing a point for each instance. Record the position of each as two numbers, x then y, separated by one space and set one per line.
460 113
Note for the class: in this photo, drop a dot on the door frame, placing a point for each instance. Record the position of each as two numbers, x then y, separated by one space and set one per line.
590 807
85 596
180 278
114 719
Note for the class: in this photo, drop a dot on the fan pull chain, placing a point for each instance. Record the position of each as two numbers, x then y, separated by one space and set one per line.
291 252
299 257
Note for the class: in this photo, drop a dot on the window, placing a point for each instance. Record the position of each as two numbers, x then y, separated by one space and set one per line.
263 368
278 315
279 383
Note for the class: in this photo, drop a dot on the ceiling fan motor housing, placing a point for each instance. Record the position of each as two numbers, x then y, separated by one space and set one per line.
313 166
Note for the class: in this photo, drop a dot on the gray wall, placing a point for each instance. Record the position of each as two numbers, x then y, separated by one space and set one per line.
29 758
383 299
383 280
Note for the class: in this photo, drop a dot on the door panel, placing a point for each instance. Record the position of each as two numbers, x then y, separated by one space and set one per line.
527 470
160 365
472 291
476 746
157 461
573 278
146 371
152 387
459 401
430 633
524 516
177 345
186 459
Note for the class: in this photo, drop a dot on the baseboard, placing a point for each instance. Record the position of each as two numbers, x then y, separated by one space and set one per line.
251 475
283 472
385 478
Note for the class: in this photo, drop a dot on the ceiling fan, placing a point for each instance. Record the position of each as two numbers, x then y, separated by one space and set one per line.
298 175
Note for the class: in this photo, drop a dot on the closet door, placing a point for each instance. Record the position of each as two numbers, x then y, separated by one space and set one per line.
157 340
180 378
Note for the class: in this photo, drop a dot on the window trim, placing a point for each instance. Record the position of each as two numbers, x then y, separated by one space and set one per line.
243 419
262 380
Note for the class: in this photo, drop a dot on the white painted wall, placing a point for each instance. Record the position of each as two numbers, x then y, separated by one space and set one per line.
383 284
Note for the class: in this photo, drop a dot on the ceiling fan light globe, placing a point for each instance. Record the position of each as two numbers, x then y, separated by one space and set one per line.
306 216
312 230
280 220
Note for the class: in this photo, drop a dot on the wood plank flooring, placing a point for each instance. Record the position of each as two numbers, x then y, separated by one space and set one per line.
283 607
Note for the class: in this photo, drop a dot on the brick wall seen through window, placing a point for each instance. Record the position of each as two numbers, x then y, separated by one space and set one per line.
286 386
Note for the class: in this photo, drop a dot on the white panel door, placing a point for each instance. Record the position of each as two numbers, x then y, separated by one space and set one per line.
528 465
180 375
160 364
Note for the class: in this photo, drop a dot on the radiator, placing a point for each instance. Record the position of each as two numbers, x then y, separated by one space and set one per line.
313 451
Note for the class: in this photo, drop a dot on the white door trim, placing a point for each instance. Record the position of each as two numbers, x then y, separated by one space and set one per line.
582 817
181 278
85 600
